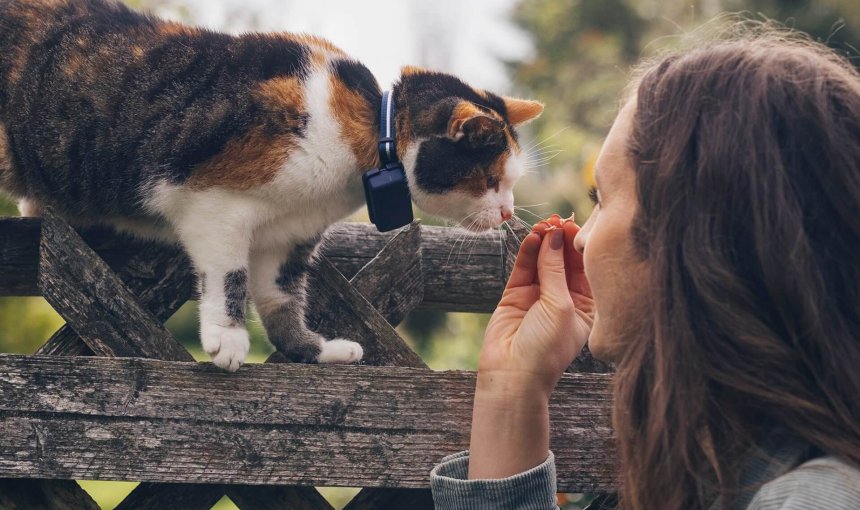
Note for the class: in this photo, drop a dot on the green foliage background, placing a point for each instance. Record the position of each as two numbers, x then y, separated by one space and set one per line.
584 50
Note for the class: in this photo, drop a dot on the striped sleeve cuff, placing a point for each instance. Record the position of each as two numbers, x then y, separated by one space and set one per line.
531 490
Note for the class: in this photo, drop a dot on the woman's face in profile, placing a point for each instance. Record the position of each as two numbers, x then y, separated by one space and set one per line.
615 272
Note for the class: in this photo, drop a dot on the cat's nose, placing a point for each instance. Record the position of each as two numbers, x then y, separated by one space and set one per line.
507 213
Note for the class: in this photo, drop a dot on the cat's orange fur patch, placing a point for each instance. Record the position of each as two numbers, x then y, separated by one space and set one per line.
355 117
316 42
255 159
476 185
168 28
283 92
246 162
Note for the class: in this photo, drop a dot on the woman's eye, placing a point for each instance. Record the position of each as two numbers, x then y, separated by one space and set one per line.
594 196
492 182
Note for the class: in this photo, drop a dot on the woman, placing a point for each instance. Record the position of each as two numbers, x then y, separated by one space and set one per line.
723 258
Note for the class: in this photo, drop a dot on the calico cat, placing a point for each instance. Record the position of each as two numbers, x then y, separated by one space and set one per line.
244 149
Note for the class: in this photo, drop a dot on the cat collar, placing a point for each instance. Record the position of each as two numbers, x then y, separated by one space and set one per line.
389 204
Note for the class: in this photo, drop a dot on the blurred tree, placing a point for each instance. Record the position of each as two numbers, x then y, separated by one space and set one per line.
585 48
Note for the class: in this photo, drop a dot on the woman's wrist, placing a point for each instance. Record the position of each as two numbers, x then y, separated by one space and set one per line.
510 425
515 385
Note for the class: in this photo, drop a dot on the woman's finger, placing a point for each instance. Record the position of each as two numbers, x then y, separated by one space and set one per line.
550 268
525 266
574 268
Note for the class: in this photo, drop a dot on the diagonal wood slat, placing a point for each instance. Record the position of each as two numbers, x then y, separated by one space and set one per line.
393 282
253 497
94 301
161 278
172 495
18 494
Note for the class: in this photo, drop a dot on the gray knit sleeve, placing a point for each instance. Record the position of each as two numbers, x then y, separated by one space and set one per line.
531 490
824 482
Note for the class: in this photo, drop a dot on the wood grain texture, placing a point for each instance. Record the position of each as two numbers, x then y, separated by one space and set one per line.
17 494
462 272
393 282
160 277
352 316
94 302
271 424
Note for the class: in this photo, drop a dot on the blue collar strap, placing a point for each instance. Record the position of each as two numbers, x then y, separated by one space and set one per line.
389 204
387 148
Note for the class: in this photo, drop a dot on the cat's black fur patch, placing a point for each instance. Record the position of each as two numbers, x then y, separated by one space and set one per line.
461 162
236 294
298 344
106 104
357 77
291 275
432 99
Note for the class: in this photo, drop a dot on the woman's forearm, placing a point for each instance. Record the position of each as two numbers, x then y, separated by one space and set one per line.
510 426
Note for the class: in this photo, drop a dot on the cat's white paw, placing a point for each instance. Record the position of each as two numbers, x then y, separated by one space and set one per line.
228 346
340 351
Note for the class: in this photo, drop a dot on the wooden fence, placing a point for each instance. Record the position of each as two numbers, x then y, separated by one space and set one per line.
143 410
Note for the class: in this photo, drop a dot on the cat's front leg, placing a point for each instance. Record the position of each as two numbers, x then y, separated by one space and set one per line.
219 247
278 289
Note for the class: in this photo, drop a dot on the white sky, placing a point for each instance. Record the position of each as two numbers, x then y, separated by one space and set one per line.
468 38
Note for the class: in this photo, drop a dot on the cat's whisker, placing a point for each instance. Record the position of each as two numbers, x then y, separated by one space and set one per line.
550 137
463 238
539 218
542 152
523 222
539 162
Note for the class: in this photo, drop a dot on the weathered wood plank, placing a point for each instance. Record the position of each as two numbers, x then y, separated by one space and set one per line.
95 303
18 494
463 272
157 421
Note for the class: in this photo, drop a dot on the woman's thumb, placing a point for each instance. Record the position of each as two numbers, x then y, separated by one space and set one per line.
553 285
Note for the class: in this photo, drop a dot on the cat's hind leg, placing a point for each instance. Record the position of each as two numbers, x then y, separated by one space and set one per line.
218 241
278 289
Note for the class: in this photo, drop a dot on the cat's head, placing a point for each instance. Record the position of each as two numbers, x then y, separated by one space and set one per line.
459 147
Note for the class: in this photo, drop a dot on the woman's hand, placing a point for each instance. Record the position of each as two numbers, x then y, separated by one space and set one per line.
546 311
540 325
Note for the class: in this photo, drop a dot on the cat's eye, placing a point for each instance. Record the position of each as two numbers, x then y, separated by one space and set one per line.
492 182
594 196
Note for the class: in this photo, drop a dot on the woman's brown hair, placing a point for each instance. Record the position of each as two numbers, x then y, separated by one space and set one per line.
747 157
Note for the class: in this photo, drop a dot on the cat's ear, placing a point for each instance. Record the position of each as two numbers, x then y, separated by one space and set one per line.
475 125
521 111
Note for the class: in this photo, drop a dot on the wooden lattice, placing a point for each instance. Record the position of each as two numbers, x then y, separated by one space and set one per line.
265 436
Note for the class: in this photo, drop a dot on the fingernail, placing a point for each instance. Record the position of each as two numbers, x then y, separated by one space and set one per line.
557 239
